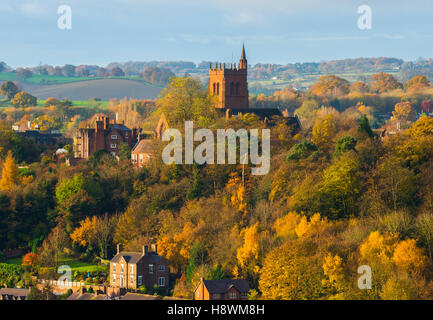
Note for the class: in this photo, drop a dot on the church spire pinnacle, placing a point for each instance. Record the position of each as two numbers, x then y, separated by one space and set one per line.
243 62
243 56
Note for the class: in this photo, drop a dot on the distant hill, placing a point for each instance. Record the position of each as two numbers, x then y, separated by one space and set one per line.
103 89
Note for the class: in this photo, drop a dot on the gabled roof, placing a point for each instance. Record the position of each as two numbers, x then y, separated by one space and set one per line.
14 292
129 257
143 146
222 286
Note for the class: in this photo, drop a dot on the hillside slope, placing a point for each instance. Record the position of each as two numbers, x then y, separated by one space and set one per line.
103 89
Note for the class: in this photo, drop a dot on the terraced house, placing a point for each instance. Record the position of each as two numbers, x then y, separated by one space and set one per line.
130 270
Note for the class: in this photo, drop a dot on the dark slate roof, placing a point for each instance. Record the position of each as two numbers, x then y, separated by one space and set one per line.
119 126
155 257
130 257
222 286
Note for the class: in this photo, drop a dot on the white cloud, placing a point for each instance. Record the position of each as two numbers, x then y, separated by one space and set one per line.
34 8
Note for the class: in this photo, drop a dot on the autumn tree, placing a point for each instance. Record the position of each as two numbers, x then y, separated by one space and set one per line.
9 178
292 272
96 232
418 82
404 111
330 85
383 82
23 99
359 87
30 259
324 130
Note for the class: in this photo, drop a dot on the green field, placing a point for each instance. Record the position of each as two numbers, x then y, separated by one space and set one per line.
79 103
75 265
50 79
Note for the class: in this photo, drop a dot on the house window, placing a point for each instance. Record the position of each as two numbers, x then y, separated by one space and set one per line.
114 278
140 280
132 268
122 268
216 295
161 267
113 146
244 295
232 295
114 267
198 295
113 137
131 279
161 281
151 268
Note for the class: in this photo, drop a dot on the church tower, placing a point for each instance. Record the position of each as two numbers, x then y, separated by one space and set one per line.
229 83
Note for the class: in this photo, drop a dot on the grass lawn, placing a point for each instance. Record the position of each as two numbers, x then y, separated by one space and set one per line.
81 266
17 261
74 264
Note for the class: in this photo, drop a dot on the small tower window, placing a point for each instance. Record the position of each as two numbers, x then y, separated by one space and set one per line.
214 88
218 89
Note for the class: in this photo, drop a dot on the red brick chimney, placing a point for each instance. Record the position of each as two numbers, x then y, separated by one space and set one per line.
119 248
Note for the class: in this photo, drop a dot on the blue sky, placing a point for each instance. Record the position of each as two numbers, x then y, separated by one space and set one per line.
274 31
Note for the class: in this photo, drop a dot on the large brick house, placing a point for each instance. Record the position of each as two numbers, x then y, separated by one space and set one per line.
130 270
105 135
227 289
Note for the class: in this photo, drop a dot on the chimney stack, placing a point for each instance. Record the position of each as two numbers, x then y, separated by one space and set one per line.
119 248
155 248
145 250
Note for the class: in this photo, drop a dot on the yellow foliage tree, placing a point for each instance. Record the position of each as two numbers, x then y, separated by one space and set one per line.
315 226
323 130
285 226
84 232
404 111
248 254
177 248
9 177
409 257
333 270
379 247
423 127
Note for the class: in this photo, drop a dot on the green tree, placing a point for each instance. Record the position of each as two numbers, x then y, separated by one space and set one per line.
124 152
364 126
344 144
301 150
186 99
9 89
